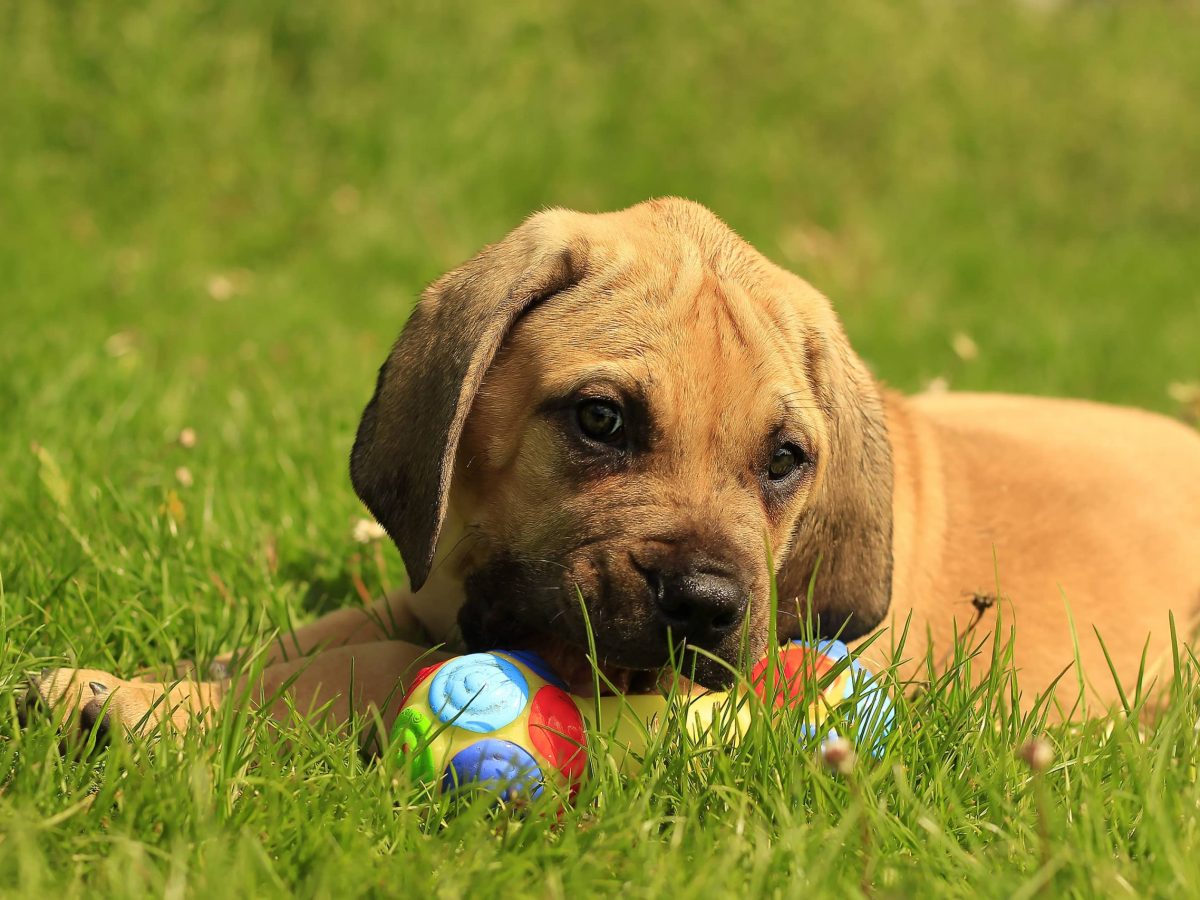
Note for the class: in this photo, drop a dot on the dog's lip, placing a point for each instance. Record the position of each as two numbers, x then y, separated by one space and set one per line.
572 664
623 659
628 668
629 658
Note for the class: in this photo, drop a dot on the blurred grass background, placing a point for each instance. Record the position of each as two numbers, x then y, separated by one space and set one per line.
215 216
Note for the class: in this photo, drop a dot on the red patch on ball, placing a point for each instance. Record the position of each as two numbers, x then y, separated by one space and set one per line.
422 675
796 667
556 729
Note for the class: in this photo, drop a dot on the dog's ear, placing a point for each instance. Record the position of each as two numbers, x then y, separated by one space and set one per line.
404 452
844 534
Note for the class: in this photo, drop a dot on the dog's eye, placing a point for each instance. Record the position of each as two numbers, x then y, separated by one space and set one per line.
784 462
600 421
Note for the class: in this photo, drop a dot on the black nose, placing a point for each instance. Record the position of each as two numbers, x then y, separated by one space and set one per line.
700 606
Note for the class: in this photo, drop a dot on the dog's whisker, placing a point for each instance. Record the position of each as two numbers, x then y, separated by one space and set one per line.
458 545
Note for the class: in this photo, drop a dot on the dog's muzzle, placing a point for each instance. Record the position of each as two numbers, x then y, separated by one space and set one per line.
701 608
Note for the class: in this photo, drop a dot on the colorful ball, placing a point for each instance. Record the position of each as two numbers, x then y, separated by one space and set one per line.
497 720
799 664
504 721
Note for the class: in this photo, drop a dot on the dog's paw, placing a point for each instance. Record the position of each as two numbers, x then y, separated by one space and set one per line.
88 702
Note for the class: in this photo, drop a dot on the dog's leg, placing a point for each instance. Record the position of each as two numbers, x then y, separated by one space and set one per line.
387 619
90 700
337 684
328 687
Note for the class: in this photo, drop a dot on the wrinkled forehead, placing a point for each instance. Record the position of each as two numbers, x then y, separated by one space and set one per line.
679 333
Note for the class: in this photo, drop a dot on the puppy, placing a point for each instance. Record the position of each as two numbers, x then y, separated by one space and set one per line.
634 421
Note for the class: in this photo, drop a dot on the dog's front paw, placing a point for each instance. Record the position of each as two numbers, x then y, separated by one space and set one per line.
86 702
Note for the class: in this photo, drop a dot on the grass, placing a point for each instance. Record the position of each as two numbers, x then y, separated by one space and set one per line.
215 216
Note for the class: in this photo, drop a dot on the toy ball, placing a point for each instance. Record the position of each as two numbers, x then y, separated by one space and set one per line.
499 718
800 664
504 721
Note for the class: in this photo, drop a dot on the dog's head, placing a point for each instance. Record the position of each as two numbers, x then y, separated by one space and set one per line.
639 410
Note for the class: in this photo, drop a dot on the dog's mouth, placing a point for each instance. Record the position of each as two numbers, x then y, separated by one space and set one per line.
512 604
573 665
621 669
646 671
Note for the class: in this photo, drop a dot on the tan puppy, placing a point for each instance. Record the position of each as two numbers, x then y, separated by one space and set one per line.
631 409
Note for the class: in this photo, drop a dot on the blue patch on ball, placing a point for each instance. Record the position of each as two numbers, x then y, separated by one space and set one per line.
479 692
835 650
495 763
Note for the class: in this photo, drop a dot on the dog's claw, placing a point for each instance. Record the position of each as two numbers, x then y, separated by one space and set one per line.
93 719
98 689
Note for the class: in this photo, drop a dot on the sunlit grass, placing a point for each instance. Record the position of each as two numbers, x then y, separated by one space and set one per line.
213 220
950 807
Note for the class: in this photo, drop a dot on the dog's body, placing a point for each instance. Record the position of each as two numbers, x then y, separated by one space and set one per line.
1066 511
638 411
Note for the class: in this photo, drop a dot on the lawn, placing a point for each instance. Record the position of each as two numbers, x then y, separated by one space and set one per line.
214 217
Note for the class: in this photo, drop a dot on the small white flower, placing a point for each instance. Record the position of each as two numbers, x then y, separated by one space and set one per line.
1184 392
1037 754
187 438
838 755
121 343
184 476
367 531
1187 395
221 287
964 346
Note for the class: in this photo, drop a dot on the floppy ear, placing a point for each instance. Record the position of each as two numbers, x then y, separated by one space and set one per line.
403 455
844 534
